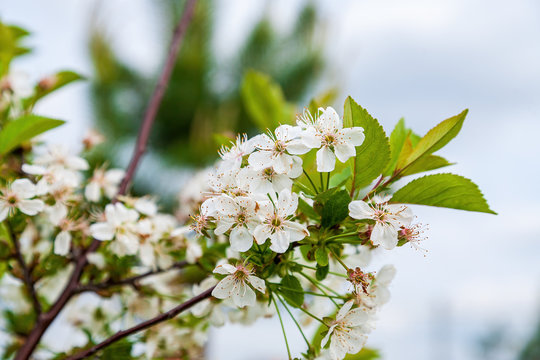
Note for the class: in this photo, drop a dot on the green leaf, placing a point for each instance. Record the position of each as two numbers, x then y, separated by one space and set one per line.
373 155
321 256
397 139
23 129
443 190
292 290
264 101
52 83
426 163
120 350
437 137
335 209
339 179
321 272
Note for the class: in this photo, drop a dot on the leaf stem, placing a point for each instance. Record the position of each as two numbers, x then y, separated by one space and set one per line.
282 329
296 322
317 285
338 259
311 181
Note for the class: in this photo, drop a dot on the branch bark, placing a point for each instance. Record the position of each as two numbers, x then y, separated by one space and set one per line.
127 281
27 275
142 326
47 318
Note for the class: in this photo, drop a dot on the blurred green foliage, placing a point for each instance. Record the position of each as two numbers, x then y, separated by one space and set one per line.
207 94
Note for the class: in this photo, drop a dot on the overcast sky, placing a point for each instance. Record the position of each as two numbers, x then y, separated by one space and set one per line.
426 61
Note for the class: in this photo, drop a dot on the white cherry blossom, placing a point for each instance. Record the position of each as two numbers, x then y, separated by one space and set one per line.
18 195
119 224
232 156
346 333
238 214
60 155
267 180
377 293
235 285
327 133
103 182
279 150
276 224
389 218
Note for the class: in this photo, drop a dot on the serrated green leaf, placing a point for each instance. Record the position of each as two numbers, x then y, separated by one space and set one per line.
292 290
426 163
335 209
436 138
23 129
397 139
443 190
373 155
321 256
264 101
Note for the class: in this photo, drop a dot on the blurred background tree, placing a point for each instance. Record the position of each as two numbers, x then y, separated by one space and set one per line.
204 96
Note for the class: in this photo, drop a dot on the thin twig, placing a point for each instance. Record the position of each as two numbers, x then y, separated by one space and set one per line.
95 287
142 326
155 101
27 275
46 318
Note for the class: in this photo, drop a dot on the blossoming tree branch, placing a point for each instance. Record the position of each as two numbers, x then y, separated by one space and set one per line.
283 224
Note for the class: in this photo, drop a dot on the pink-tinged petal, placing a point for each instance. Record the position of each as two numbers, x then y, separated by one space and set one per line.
260 160
102 231
344 151
240 238
62 243
225 269
31 207
354 136
223 289
385 235
344 310
326 160
262 142
24 188
360 210
257 283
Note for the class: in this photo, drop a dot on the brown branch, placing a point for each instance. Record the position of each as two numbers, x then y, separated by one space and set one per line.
95 287
159 91
47 318
26 272
142 326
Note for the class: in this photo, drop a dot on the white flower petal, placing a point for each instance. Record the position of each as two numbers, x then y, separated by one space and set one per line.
62 243
344 151
385 235
225 269
326 160
260 160
23 188
31 207
257 283
354 136
102 231
240 238
360 210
